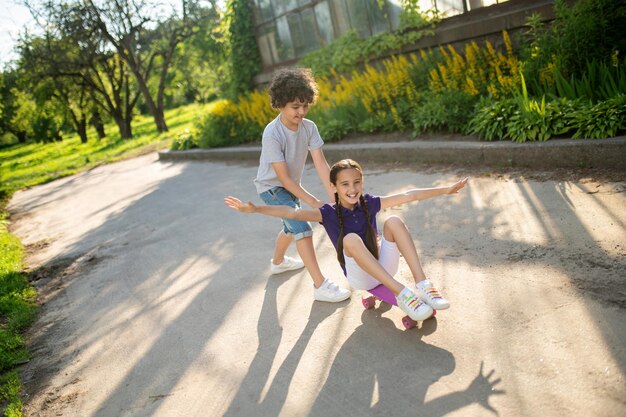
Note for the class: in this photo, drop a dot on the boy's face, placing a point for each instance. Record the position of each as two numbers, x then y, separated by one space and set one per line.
292 113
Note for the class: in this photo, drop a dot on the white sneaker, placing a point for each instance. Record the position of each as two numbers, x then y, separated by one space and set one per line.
429 294
330 292
411 304
288 264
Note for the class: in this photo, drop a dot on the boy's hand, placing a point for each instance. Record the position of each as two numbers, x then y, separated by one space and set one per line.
236 204
457 186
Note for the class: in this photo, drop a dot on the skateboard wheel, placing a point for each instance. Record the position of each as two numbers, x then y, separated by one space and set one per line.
368 302
408 322
434 313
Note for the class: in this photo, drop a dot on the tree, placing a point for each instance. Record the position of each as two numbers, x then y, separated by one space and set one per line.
71 53
146 40
200 68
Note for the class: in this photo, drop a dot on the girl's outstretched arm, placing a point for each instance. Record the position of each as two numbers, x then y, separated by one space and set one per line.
420 194
284 212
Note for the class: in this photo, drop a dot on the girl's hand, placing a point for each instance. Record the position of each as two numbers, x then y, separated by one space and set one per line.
236 204
457 186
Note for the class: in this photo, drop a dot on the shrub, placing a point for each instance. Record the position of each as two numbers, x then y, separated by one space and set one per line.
479 71
490 119
603 120
184 140
449 111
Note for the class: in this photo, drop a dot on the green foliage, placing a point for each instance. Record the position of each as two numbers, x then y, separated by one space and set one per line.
184 140
226 130
17 311
334 130
200 71
587 31
245 57
451 110
10 387
603 120
349 52
412 16
491 117
531 120
600 81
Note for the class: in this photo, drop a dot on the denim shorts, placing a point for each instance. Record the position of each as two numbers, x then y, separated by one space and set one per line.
279 196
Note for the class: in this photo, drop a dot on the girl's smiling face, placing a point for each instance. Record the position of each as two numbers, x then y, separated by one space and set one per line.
349 187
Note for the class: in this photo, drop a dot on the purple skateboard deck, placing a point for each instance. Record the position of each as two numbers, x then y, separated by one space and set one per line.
384 294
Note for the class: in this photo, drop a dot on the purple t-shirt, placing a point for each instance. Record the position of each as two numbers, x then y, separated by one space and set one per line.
354 221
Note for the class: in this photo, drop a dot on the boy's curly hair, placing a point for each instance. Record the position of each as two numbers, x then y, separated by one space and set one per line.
290 84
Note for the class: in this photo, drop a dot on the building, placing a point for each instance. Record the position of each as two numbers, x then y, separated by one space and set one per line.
286 30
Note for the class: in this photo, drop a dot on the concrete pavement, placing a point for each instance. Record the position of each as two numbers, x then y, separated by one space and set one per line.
157 301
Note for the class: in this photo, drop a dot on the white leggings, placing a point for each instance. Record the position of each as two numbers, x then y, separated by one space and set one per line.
389 258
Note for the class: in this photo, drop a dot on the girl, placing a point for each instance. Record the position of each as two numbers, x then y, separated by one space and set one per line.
351 225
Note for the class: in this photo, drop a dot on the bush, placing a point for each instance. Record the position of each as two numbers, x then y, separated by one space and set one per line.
602 120
183 141
226 130
449 111
588 30
490 119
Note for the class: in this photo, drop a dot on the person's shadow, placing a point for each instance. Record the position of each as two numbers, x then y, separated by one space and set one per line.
256 395
382 371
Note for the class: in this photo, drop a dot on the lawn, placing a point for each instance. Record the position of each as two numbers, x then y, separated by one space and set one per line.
30 164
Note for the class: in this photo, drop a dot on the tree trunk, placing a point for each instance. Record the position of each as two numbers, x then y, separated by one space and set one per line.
96 122
124 126
81 128
157 114
21 137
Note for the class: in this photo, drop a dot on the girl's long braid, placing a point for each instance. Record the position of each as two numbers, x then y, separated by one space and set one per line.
370 237
340 257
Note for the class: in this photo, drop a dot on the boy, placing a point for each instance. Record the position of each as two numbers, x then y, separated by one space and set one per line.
286 142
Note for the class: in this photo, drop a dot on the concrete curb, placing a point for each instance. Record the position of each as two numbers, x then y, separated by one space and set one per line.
559 153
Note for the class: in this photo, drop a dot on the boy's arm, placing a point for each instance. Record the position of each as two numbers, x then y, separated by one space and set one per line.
420 194
284 212
282 172
323 171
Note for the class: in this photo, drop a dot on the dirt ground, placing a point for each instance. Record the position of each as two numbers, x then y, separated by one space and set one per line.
157 300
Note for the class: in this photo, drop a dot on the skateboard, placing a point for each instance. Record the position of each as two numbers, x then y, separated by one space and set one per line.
383 293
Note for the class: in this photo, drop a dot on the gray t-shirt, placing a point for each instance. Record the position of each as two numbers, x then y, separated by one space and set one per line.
283 145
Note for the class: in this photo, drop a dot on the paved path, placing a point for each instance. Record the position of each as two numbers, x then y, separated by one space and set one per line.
157 302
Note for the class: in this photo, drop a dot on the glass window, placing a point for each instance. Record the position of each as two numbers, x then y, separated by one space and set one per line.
342 17
324 22
303 32
358 17
394 9
283 6
378 21
449 7
267 45
264 8
285 46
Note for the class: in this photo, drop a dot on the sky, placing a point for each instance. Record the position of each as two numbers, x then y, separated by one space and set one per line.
13 18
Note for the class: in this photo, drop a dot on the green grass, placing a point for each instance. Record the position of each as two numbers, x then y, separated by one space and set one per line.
35 163
30 164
